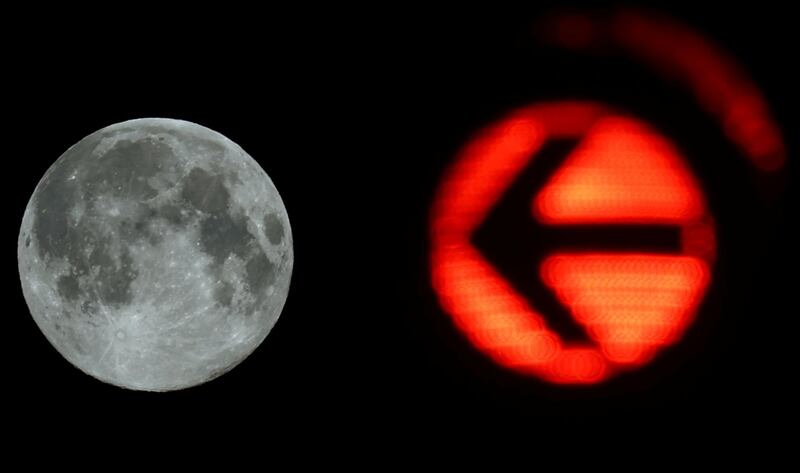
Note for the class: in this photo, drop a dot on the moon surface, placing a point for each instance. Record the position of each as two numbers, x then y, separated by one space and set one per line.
155 254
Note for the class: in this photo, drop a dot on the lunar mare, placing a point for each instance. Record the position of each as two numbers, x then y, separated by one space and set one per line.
155 254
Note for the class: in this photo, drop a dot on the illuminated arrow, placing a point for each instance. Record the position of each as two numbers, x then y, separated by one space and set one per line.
625 301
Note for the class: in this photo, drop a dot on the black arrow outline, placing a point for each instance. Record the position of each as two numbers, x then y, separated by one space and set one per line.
515 243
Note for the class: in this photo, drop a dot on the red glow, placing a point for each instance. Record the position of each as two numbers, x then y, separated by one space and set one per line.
622 172
699 239
718 82
575 31
631 304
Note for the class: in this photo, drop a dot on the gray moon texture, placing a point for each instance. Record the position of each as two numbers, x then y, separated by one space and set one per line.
155 254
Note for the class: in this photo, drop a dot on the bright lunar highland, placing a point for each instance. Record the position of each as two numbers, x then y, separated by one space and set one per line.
155 254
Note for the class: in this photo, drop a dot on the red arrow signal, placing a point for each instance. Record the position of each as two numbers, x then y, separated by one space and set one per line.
631 304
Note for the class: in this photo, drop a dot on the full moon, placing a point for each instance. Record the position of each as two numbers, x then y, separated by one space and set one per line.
155 254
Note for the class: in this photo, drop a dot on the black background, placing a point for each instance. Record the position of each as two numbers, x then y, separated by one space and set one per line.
355 113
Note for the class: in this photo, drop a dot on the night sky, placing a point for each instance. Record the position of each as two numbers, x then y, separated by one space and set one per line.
355 115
